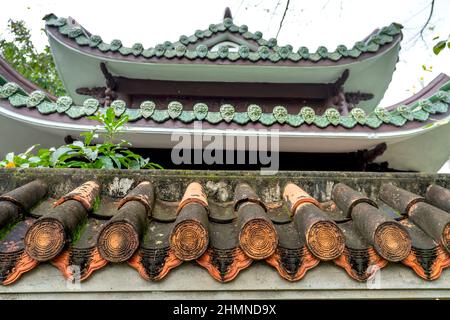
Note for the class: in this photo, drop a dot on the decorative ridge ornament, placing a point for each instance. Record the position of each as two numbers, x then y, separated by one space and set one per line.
227 14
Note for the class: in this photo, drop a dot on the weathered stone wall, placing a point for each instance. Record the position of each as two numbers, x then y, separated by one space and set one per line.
220 185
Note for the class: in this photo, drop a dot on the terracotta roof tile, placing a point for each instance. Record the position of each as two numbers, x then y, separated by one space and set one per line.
224 237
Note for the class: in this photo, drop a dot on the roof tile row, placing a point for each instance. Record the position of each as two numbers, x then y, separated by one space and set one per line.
82 231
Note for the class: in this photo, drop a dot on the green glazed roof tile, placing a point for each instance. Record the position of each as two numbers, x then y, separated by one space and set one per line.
348 122
18 100
267 119
186 116
91 106
420 115
75 112
160 115
418 111
104 47
241 118
266 50
373 121
321 121
213 117
294 120
398 120
47 107
147 108
63 104
82 40
133 114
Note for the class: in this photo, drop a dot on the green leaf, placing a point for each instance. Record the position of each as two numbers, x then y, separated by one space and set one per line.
134 165
76 164
34 159
438 47
78 144
88 136
107 162
37 66
152 165
90 154
58 153
10 157
428 125
43 152
116 161
30 149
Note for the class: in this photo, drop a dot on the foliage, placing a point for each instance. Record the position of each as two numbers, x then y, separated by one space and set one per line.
36 66
84 154
438 47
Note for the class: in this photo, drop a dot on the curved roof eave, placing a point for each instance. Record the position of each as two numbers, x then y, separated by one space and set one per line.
423 111
370 70
268 52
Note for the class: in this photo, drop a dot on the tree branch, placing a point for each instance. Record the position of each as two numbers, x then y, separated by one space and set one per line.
284 15
427 22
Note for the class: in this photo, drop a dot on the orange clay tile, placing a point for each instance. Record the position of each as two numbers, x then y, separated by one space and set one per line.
441 261
142 193
194 193
62 262
305 261
85 194
159 270
296 196
24 264
233 261
361 257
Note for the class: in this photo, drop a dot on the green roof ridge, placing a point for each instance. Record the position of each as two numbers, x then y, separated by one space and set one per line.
267 49
418 111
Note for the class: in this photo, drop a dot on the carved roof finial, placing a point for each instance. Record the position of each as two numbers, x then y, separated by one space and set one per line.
227 13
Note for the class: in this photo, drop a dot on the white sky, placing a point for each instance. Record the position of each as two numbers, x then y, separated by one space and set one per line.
308 23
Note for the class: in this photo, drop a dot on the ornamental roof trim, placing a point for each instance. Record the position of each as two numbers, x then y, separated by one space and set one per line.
264 50
416 111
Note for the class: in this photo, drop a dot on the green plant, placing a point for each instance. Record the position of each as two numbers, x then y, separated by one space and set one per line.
28 159
439 46
36 66
85 154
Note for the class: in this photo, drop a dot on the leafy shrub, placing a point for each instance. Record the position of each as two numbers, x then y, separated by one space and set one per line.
85 154
36 66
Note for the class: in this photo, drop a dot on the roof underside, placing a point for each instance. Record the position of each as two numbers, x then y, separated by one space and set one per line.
78 55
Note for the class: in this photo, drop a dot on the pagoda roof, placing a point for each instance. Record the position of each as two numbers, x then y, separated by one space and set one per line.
253 47
432 100
406 127
369 64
